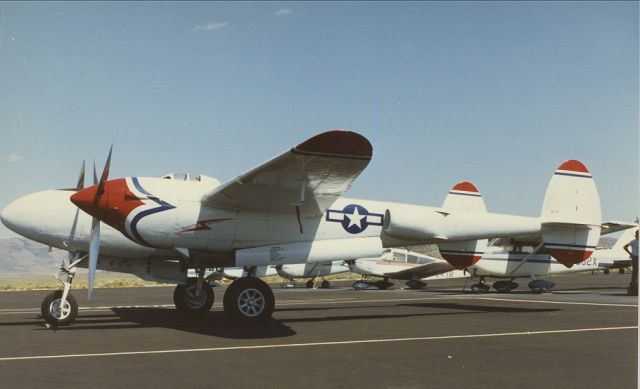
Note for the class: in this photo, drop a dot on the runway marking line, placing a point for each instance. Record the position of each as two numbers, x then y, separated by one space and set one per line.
8 311
543 301
316 344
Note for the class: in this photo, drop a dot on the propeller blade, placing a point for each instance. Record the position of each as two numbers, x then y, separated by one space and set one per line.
105 174
95 175
80 184
94 243
94 250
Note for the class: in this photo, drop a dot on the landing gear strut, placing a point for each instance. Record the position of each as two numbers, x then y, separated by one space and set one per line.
196 297
415 284
480 287
60 307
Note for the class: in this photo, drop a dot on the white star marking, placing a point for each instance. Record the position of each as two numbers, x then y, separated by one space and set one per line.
355 218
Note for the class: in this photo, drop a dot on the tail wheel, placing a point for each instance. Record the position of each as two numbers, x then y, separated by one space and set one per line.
59 313
249 299
188 299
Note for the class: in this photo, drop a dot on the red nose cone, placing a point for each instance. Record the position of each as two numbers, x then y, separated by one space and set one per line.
86 200
112 206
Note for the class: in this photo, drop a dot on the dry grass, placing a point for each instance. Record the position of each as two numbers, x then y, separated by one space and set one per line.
116 280
41 282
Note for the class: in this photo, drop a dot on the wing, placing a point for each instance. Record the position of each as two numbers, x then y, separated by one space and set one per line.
615 226
422 271
311 176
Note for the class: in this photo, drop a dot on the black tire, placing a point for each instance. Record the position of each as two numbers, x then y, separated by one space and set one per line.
325 284
186 300
51 312
309 284
249 299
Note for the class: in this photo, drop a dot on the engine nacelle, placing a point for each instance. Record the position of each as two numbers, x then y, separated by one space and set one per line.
414 223
438 225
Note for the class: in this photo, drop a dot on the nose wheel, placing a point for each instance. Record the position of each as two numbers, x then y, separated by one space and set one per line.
58 311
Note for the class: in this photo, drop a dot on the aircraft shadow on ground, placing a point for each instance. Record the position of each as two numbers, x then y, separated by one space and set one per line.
212 324
219 325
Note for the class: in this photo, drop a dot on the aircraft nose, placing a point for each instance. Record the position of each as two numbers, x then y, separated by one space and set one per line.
10 216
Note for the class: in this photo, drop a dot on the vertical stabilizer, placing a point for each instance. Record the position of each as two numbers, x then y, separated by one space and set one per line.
571 214
464 196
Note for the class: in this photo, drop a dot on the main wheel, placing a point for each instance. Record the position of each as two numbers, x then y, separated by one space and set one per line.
249 299
479 288
57 313
360 285
188 299
310 283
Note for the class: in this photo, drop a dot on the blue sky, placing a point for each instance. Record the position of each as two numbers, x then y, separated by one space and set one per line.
497 93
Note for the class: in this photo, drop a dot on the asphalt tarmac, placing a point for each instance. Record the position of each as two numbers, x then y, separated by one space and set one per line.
582 335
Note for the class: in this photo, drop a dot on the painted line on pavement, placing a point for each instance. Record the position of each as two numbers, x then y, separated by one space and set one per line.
316 344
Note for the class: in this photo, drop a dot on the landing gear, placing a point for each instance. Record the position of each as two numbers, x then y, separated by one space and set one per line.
541 286
480 287
363 284
383 284
60 307
58 311
415 284
505 286
196 297
312 282
360 285
249 299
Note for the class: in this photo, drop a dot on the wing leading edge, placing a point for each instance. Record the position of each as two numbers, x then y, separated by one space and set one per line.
306 179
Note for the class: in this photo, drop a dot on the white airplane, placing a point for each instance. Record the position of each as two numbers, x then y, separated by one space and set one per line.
401 264
510 258
287 210
291 272
311 271
615 257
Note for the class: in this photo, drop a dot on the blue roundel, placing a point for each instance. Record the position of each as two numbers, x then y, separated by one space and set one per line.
355 219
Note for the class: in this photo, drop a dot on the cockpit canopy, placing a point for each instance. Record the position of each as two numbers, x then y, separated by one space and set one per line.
189 177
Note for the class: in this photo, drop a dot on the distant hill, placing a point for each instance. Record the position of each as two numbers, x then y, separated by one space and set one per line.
23 256
20 256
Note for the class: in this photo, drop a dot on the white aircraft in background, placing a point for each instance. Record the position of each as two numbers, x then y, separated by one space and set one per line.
291 272
508 259
615 257
287 210
401 264
311 271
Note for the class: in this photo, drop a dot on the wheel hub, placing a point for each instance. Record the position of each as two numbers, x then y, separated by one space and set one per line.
251 302
58 310
195 298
